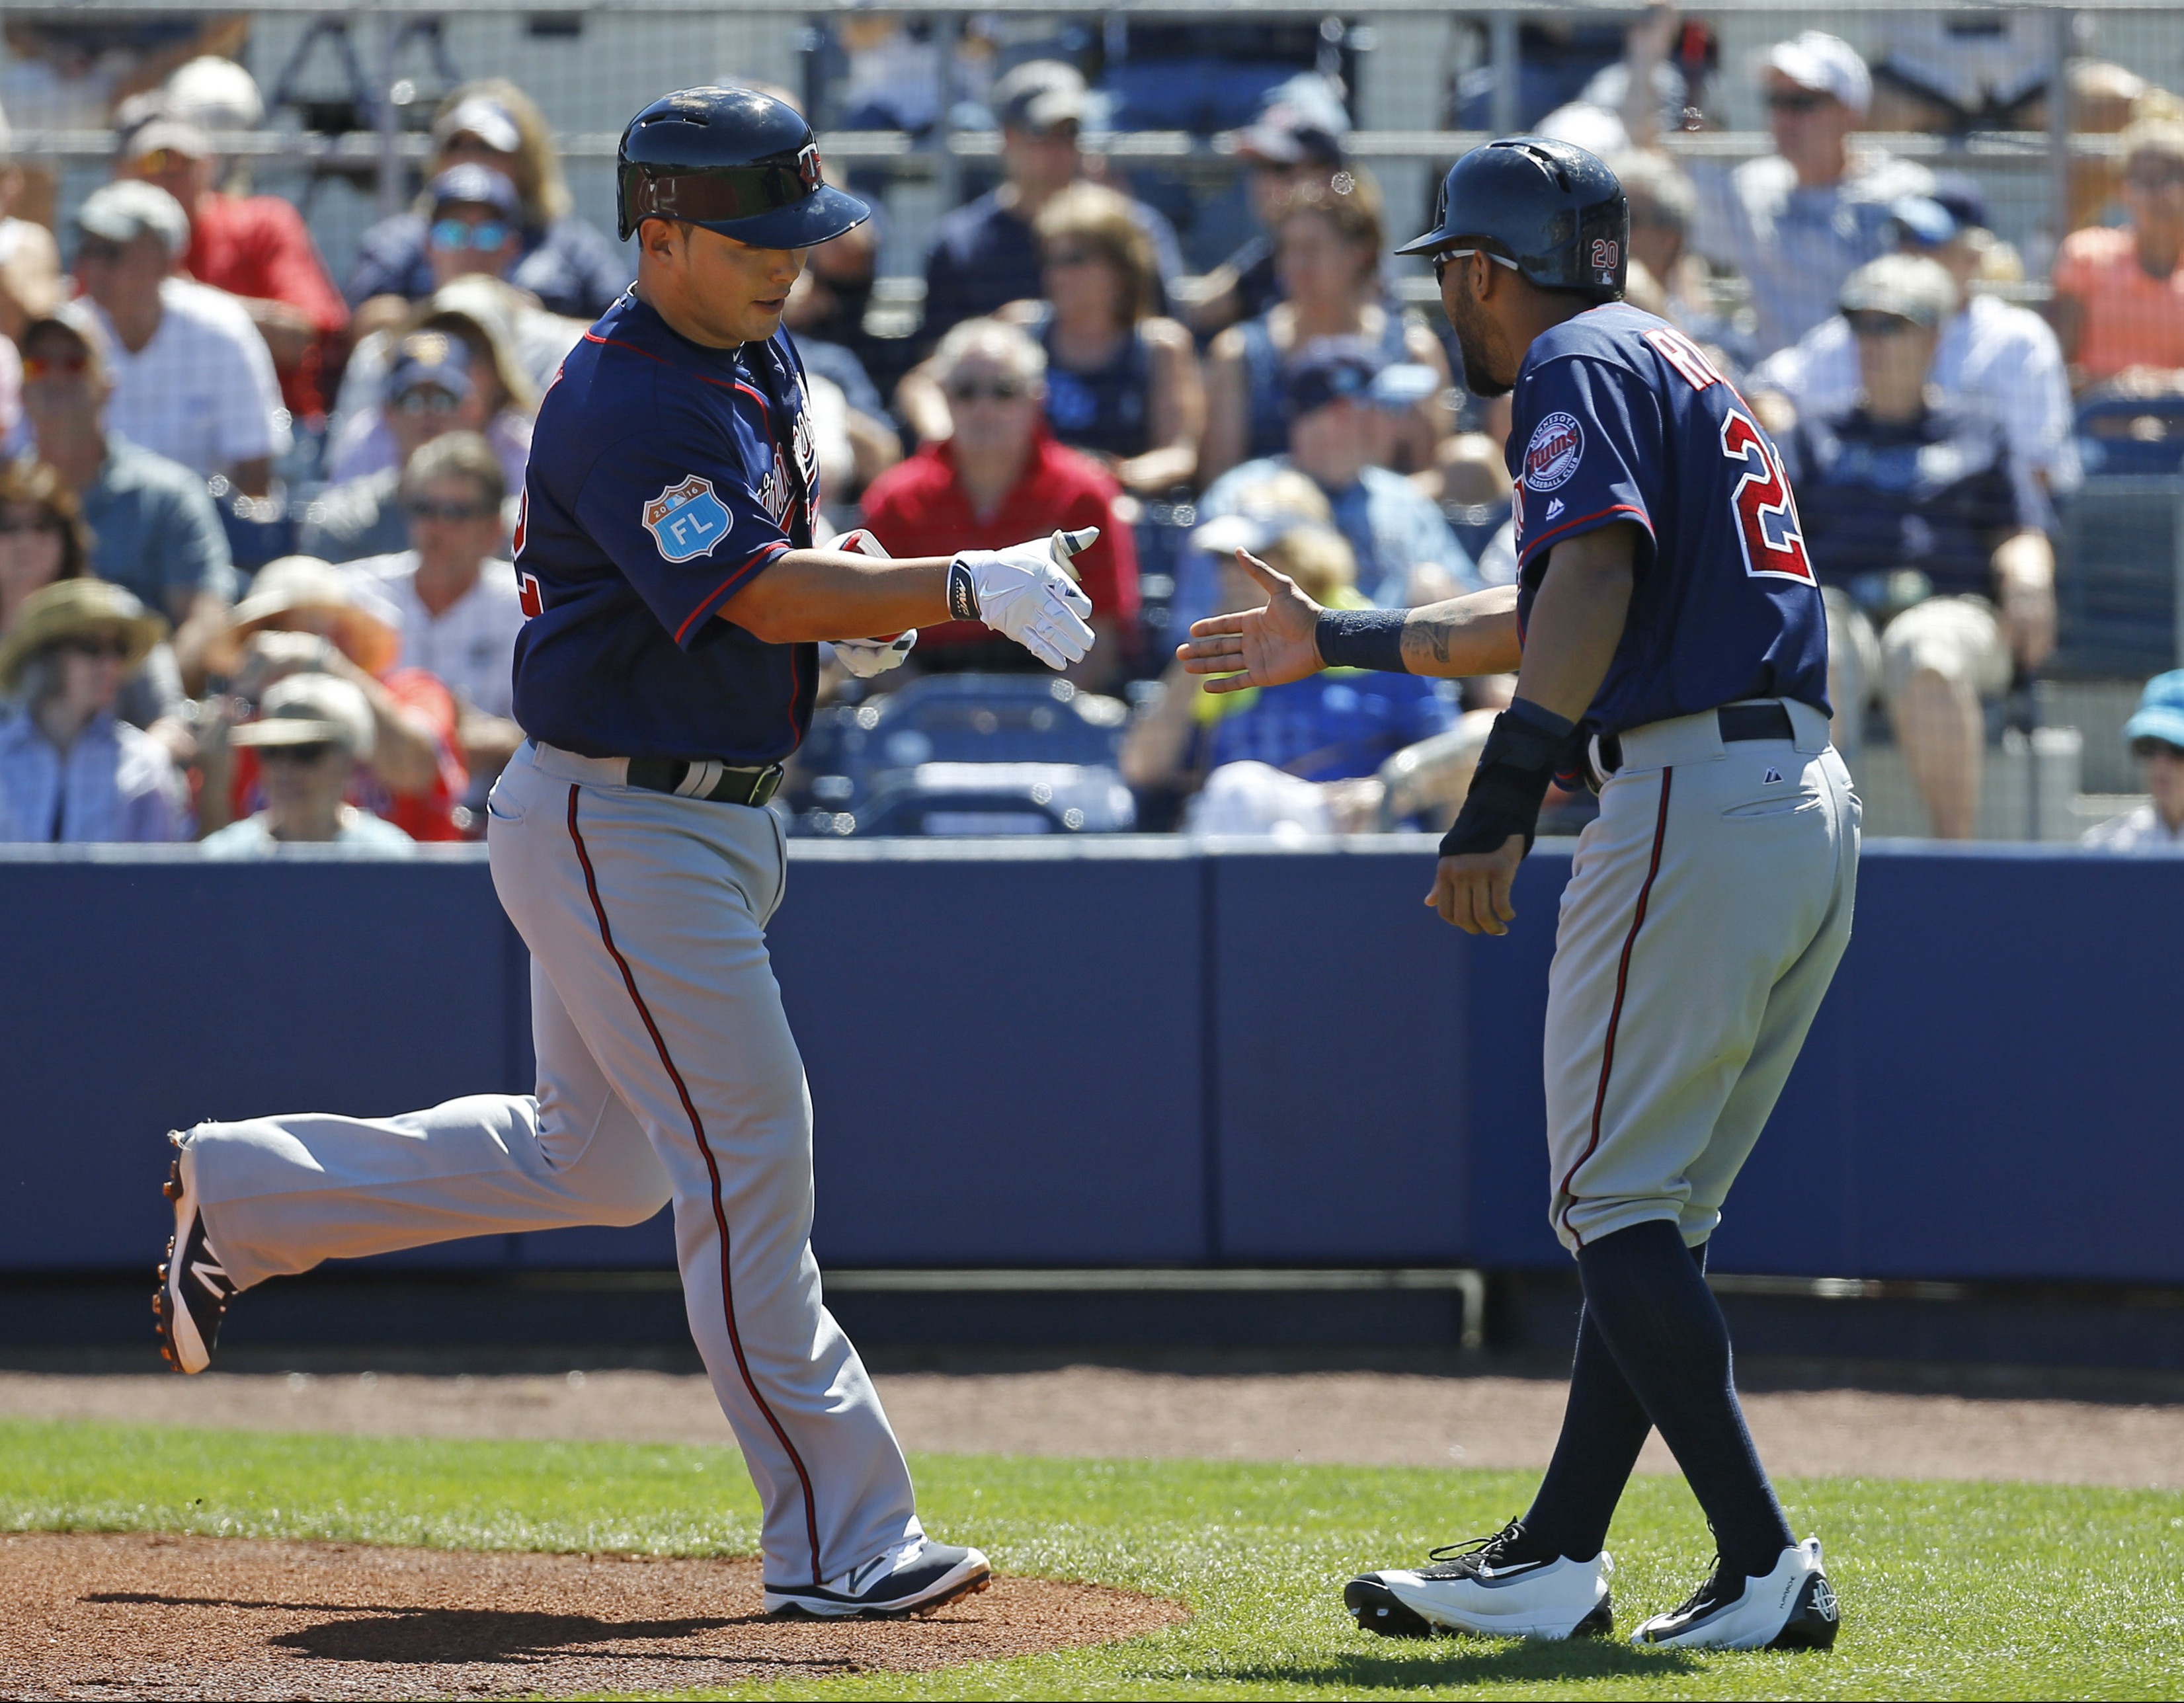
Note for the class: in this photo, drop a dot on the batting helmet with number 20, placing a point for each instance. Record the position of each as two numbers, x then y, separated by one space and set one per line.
1555 210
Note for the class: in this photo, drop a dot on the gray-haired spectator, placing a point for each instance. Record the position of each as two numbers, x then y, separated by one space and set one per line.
430 391
70 769
2156 733
312 732
192 381
1992 354
1798 221
454 601
154 530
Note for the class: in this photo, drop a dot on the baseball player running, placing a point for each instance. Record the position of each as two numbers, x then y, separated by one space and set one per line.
1666 631
666 557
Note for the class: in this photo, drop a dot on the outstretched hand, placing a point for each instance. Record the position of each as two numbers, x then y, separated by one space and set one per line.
1263 646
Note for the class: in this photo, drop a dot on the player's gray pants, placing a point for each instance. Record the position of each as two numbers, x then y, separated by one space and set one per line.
1707 909
666 1071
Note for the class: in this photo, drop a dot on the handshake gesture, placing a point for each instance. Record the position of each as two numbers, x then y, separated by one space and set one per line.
1028 592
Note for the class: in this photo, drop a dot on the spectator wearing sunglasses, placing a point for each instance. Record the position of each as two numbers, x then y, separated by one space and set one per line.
43 541
256 247
2156 733
2118 299
70 769
153 529
192 380
1000 476
304 616
1921 532
454 599
312 733
1798 221
430 391
568 264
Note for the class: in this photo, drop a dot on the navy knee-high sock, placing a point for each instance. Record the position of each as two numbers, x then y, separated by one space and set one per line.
1661 1323
1604 1426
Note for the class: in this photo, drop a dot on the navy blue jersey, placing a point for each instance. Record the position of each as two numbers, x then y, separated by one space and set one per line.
665 476
1617 415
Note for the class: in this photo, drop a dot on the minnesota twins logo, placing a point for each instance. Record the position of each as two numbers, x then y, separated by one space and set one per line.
1558 446
687 520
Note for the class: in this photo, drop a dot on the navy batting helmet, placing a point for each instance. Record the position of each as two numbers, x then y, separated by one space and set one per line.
735 161
1554 210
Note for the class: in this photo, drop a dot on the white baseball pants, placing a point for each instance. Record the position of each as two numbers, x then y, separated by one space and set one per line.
666 1070
1707 907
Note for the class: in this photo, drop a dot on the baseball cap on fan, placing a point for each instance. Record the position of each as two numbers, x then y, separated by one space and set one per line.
2160 713
1040 96
1331 370
1826 64
1909 287
310 709
472 185
430 358
122 212
484 118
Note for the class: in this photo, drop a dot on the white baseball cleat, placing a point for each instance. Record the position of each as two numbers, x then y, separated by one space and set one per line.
1792 1608
1474 1588
912 1578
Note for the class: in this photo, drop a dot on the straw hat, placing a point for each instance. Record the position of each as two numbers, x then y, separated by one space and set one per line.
304 585
71 607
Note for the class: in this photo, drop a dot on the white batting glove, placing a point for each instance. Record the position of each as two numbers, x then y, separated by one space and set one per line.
866 657
1028 592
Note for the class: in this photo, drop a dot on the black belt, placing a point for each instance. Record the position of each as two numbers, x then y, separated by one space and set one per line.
716 782
1740 723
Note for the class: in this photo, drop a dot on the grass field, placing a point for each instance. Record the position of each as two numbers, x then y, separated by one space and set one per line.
1949 1589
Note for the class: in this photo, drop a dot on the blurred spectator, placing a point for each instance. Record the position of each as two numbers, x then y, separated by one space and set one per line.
868 442
1336 726
29 259
43 541
984 255
2119 294
256 247
515 346
1406 553
305 617
827 307
192 380
1121 382
69 769
1296 142
430 392
154 530
311 734
570 266
997 479
1799 221
1916 524
1624 107
1992 356
1327 241
215 94
454 601
2156 733
501 403
1663 207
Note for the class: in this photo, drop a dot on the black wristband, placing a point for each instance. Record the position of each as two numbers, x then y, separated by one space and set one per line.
1510 784
963 594
1362 638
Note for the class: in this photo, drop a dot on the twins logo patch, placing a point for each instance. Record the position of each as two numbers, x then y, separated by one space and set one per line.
1558 446
687 520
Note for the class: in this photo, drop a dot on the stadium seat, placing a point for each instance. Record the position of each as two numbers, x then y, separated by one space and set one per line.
2116 580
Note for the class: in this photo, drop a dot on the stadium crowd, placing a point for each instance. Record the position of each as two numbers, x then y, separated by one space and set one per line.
255 526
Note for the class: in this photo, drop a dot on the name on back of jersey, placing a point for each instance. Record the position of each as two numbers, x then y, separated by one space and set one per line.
688 520
1558 446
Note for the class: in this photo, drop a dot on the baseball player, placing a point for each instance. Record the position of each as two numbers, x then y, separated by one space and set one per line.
1666 633
665 555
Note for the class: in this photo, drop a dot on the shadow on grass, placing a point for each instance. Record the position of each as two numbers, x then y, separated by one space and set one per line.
1453 1662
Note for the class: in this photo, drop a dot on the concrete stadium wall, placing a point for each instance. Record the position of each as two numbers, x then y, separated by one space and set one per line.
1137 1052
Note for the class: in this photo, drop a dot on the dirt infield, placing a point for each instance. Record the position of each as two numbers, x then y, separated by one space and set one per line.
97 1615
1362 1418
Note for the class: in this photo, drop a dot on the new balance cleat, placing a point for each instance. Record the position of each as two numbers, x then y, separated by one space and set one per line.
1792 1608
913 1578
193 1290
1480 1587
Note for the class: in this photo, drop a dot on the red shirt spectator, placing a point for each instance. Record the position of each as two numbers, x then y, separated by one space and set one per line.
258 248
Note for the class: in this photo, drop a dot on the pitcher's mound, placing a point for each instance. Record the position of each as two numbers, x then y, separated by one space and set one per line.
95 1614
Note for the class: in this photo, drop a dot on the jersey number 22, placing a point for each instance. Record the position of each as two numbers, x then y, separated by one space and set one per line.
1766 513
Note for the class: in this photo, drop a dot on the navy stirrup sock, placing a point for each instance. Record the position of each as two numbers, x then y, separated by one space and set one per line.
1653 1351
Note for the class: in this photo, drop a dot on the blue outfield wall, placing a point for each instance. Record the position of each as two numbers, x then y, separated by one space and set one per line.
1138 1052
